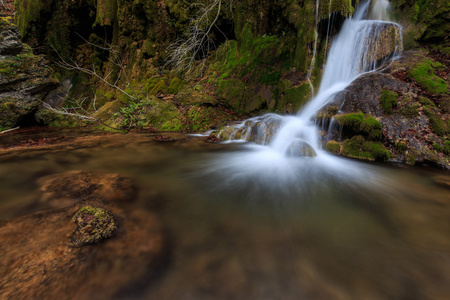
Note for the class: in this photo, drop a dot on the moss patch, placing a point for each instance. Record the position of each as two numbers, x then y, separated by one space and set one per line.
358 123
358 147
93 225
388 101
333 147
424 73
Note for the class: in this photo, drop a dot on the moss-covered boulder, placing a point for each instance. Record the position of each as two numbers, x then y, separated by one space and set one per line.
25 79
404 108
93 225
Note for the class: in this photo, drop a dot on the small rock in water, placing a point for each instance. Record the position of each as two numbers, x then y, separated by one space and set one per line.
94 225
301 148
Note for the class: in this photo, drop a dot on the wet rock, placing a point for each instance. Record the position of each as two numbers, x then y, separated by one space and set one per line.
93 225
301 148
61 190
412 125
39 263
10 41
387 43
25 79
259 130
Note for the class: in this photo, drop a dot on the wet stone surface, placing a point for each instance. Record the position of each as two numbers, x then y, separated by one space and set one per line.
93 225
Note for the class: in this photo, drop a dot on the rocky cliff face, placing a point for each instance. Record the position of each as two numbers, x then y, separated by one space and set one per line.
258 60
25 78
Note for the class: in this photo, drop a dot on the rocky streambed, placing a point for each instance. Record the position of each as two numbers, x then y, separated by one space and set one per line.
171 216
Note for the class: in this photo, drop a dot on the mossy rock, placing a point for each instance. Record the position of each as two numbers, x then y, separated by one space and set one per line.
93 225
424 74
333 147
388 101
358 123
358 147
11 113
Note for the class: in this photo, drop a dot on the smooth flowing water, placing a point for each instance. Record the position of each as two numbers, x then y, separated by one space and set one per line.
335 230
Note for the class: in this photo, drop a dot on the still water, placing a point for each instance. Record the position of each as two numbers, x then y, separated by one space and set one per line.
247 224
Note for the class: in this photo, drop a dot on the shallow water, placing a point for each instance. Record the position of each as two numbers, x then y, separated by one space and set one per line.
244 223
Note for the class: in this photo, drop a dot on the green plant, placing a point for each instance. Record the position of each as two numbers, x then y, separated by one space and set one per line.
133 115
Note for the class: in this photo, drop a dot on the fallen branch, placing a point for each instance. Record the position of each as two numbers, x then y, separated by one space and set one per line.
9 130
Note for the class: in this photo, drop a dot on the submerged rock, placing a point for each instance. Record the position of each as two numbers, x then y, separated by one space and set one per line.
93 225
65 189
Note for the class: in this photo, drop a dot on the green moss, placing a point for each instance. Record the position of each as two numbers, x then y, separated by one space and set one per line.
106 12
333 147
351 121
437 125
371 128
410 111
175 85
388 101
295 97
344 7
93 225
426 102
28 11
54 119
438 147
357 123
424 74
447 147
401 146
358 147
411 158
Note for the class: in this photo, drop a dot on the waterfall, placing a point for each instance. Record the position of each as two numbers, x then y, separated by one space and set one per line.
356 50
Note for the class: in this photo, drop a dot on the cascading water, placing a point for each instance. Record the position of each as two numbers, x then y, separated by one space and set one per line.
357 49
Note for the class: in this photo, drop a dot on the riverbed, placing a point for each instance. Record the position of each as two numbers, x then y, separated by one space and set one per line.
245 225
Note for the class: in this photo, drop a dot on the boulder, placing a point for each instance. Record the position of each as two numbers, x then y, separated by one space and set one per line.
301 148
25 79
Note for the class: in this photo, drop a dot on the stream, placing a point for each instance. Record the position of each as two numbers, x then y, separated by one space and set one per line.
243 227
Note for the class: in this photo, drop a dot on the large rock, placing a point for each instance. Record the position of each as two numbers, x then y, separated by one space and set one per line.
25 79
386 42
414 122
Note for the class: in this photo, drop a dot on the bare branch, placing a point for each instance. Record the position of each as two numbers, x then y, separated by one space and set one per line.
184 51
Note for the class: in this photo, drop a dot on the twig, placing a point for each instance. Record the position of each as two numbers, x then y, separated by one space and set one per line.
11 129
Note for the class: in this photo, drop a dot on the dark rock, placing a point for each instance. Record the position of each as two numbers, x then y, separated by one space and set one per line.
408 131
25 79
10 41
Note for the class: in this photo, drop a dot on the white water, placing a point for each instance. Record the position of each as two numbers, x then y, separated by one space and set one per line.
272 164
379 10
349 57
